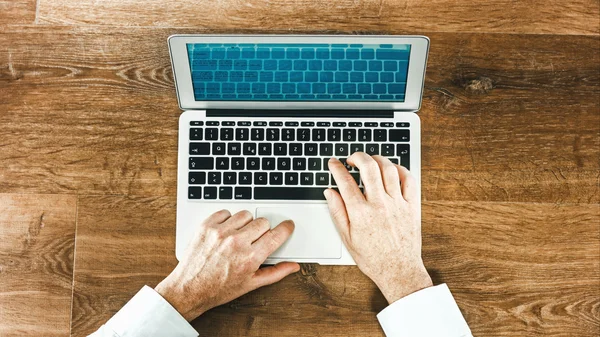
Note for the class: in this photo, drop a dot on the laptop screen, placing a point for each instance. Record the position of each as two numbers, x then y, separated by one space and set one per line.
299 72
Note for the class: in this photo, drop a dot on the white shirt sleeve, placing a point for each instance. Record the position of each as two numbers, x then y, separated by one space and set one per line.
431 312
147 314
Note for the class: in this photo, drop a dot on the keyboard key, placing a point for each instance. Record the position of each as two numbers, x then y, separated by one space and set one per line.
275 123
318 135
325 164
264 149
387 150
306 178
225 193
214 178
211 134
386 124
291 178
289 193
196 123
291 123
234 149
399 135
237 163
229 178
212 123
195 134
199 149
222 163
372 149
346 165
242 134
195 192
349 135
273 134
226 133
322 179
218 148
250 149
303 135
402 124
326 150
197 178
339 124
355 124
356 148
341 150
275 178
394 160
202 163
314 164
364 135
334 135
268 164
295 149
258 134
323 124
310 149
284 164
287 134
380 135
210 193
356 177
244 123
245 178
244 193
280 149
252 163
228 123
299 164
260 178
307 124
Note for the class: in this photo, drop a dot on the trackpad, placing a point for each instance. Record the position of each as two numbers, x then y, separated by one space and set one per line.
315 235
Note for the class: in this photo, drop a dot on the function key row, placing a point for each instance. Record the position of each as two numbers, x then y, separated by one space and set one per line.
321 124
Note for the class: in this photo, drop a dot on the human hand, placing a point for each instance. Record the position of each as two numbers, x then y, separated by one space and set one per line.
382 227
222 262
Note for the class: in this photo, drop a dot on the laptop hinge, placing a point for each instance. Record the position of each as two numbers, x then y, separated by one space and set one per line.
300 113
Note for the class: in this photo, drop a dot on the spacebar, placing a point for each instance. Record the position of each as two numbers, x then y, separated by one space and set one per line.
289 193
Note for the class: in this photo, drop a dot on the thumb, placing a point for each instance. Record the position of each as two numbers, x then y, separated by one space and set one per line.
337 210
269 275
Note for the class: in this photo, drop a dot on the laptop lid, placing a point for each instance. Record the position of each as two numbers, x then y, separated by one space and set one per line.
299 71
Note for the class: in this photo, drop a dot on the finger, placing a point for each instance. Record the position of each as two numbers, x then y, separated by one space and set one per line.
338 212
273 239
408 183
370 175
345 183
218 217
389 174
239 219
255 229
269 275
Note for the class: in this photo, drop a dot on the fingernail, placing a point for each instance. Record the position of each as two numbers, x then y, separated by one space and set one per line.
326 194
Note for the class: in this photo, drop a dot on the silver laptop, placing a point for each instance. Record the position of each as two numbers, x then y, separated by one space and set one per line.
264 113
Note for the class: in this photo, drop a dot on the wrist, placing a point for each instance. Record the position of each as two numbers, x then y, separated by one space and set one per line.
397 286
175 295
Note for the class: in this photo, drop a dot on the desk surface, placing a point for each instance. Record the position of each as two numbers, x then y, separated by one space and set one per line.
511 163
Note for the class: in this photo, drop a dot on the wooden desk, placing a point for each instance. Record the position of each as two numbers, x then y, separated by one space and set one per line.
511 167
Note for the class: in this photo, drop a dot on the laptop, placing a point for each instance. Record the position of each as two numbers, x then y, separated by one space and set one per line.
264 113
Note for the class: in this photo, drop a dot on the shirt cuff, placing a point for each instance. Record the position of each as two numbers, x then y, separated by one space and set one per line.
149 314
428 312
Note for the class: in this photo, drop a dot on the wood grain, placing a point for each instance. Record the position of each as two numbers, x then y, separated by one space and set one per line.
37 235
515 269
505 117
389 17
17 12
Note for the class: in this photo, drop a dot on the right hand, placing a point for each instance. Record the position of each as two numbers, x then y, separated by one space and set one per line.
382 227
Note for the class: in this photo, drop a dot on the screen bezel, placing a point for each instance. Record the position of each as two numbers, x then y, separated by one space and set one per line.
414 81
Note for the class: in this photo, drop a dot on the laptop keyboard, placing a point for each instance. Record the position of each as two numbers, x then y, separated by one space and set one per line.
282 160
322 72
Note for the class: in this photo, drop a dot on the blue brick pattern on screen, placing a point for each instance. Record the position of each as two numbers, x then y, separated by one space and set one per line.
299 72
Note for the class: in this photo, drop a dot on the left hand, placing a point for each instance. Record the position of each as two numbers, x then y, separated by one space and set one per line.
223 262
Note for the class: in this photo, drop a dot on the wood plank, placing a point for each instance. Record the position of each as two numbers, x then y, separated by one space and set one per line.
526 269
36 264
387 17
504 117
17 12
